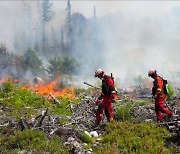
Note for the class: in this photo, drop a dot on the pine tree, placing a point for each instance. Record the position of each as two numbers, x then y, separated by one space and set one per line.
27 24
32 61
94 12
53 43
47 16
38 27
62 40
68 27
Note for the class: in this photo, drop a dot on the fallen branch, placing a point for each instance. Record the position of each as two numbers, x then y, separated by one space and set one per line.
54 98
24 124
41 119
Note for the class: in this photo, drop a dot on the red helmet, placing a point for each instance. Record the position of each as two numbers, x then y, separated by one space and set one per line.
151 72
98 72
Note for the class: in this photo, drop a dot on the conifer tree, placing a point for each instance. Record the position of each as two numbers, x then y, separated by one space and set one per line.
68 28
47 16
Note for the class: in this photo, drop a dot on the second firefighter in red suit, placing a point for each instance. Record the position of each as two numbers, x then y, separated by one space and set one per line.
159 96
107 96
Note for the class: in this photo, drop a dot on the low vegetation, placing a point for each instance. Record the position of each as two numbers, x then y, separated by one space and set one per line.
170 92
34 141
22 102
121 135
126 137
125 107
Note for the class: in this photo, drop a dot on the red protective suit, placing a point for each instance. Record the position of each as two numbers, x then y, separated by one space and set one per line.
105 100
159 98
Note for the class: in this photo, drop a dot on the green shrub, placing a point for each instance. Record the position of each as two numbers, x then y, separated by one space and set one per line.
140 102
86 138
125 137
123 113
65 107
34 140
124 109
170 92
7 86
86 147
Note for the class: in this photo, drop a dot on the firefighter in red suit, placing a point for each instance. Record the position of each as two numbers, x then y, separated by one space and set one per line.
159 95
107 96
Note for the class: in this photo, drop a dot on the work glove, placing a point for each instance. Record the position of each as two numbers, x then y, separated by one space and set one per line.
113 100
98 102
101 96
155 96
114 96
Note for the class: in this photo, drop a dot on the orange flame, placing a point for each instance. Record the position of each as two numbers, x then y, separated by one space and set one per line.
46 89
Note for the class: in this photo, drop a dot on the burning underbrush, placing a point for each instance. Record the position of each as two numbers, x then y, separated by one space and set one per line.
44 118
51 88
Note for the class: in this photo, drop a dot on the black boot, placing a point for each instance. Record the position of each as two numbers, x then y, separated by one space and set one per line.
96 125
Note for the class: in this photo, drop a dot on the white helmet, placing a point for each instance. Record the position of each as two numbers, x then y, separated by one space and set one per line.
98 72
151 72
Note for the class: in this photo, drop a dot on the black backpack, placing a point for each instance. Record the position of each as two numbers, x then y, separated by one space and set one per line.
105 87
165 86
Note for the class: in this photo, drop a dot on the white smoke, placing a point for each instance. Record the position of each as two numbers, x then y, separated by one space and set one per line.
134 36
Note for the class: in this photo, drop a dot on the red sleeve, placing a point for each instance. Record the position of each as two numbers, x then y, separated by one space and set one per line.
159 82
